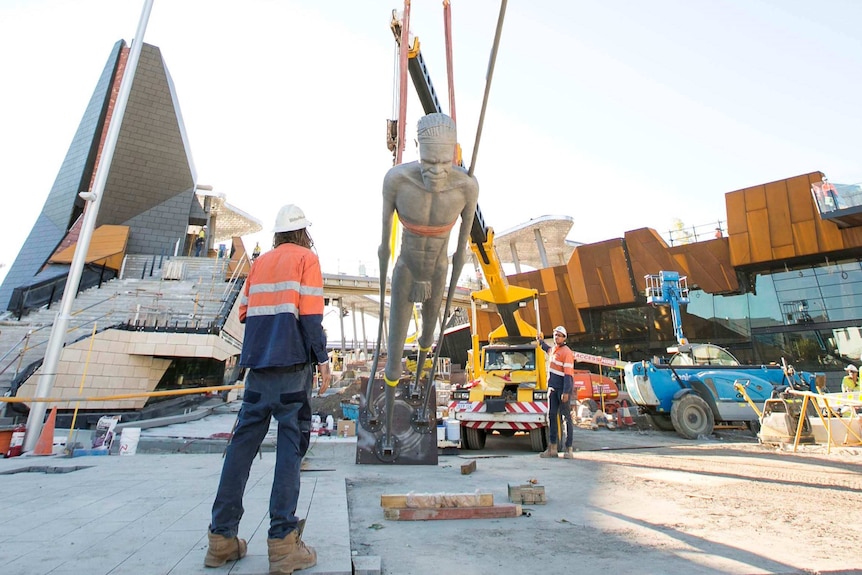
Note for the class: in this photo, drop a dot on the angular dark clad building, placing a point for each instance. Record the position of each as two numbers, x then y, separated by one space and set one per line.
151 184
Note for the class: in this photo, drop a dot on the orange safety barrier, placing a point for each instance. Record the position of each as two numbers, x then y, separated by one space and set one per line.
165 393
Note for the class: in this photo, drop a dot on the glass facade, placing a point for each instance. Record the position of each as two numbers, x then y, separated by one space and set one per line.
195 372
810 317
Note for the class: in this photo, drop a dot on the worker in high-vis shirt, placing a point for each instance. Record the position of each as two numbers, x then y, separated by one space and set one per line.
851 380
200 241
282 308
560 384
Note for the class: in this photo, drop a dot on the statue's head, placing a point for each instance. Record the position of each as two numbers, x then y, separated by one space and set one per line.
436 129
437 137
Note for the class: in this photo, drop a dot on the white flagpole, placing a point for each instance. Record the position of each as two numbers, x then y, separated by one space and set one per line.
93 199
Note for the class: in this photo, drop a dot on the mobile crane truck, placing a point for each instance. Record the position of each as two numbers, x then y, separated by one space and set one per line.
506 388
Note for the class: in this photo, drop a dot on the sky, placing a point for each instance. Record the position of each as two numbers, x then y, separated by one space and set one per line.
619 113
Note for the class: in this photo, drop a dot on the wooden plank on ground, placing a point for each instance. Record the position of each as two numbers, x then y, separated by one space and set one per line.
436 500
730 426
527 494
493 512
468 468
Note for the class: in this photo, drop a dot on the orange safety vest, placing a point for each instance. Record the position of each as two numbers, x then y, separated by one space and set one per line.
282 308
562 361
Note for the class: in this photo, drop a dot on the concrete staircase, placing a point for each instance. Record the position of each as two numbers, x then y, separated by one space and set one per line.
179 294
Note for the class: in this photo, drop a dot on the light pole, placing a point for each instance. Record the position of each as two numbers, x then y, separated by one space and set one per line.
93 199
619 351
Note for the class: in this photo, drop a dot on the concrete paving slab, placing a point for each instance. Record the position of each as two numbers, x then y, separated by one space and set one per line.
147 514
367 565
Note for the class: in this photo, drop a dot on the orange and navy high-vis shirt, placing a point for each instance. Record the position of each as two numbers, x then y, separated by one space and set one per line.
561 366
282 308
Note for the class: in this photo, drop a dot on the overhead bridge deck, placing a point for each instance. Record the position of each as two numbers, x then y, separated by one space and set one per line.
362 293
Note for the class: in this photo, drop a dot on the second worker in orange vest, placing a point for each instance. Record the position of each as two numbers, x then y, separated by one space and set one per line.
560 384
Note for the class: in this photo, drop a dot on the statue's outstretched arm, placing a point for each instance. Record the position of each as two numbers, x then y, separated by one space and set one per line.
471 196
388 211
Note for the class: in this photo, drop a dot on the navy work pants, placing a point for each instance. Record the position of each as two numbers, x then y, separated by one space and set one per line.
283 393
557 409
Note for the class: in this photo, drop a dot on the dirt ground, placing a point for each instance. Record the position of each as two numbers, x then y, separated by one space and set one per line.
631 502
342 390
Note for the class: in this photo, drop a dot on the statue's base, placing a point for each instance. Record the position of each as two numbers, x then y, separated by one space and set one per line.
409 441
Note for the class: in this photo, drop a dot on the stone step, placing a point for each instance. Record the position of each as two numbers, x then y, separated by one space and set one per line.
194 300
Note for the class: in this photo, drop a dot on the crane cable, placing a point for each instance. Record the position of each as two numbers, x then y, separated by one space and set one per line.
403 54
403 50
488 78
450 74
453 281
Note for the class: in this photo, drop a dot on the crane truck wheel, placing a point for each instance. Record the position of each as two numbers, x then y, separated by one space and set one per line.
691 416
538 440
474 438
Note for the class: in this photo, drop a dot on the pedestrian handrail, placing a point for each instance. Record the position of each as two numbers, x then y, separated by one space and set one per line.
698 233
236 274
23 340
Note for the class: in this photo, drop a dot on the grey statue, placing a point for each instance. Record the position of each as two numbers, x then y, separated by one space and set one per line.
428 195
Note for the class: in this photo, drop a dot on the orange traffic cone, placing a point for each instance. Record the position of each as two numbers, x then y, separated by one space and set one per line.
45 445
625 414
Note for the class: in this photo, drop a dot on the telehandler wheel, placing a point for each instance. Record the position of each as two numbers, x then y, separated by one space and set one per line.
753 426
538 440
474 438
692 417
661 422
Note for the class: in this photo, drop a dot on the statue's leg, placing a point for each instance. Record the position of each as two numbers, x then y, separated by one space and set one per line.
430 315
425 341
416 384
400 311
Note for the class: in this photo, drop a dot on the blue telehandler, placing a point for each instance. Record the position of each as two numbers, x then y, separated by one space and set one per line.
697 387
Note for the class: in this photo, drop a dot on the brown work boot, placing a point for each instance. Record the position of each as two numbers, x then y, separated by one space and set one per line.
569 454
290 553
223 549
551 451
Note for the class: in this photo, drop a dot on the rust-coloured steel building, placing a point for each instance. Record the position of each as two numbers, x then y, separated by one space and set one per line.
784 281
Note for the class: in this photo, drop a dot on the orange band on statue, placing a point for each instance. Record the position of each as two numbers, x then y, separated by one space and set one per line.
425 231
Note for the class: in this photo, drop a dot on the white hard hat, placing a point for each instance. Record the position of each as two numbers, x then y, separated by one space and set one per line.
851 367
290 218
561 329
